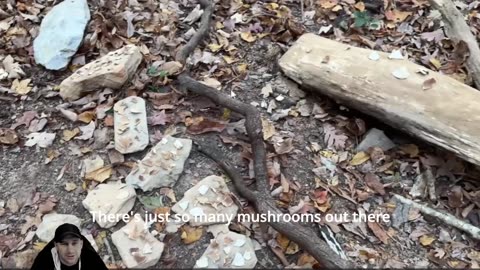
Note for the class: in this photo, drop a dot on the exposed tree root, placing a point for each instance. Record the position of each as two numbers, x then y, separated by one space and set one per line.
264 204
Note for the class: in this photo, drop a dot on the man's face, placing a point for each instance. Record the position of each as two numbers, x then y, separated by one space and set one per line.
69 250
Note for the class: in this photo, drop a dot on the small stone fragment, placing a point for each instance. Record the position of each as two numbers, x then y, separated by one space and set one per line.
203 189
109 203
137 247
162 166
375 137
130 123
202 262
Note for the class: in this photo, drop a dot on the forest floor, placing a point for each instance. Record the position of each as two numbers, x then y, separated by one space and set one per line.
311 140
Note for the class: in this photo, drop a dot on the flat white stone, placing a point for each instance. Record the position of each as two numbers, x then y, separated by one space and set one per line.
137 247
51 221
109 202
221 253
214 207
162 166
130 123
110 71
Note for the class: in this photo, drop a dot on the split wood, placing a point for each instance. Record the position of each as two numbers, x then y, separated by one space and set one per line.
447 218
306 238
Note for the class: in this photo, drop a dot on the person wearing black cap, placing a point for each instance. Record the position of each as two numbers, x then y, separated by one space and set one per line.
68 250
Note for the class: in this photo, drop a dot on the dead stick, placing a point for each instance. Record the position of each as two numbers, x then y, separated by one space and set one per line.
447 218
457 29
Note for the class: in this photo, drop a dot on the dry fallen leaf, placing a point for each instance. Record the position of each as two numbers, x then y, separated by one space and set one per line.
69 186
70 134
201 125
21 87
100 175
359 158
51 155
426 240
13 69
8 136
287 246
87 131
267 90
373 182
410 149
247 36
191 234
267 128
43 139
378 231
87 116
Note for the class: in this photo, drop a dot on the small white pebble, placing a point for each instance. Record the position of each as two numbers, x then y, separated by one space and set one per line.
238 260
183 204
203 189
178 144
202 262
280 98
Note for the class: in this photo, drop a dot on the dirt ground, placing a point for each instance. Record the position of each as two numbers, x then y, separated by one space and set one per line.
23 172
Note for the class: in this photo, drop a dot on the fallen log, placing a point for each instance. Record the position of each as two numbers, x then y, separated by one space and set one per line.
433 107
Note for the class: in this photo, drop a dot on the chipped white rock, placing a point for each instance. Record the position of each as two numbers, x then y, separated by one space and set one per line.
111 71
375 137
203 189
202 262
221 253
162 166
396 55
214 207
401 73
50 222
374 56
130 124
109 203
137 247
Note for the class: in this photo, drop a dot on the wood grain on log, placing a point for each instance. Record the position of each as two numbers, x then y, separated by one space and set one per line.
446 115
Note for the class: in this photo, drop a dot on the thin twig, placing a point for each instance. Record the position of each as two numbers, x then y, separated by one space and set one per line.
447 218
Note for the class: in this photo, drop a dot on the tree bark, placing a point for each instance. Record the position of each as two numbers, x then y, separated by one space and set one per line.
446 115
